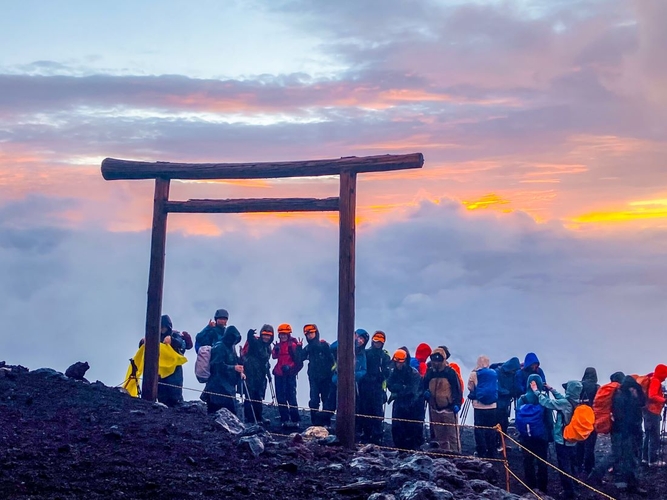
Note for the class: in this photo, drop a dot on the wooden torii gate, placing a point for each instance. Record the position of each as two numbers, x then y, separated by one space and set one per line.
347 168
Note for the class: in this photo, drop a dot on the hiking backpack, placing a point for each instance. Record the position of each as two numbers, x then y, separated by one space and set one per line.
644 381
581 425
203 364
529 421
602 405
486 391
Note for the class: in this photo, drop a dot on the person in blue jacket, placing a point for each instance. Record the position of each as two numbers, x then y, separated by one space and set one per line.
530 366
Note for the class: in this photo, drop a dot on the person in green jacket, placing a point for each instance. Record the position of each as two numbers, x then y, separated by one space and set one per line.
564 406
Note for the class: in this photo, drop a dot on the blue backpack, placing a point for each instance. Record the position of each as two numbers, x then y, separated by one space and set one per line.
529 421
486 391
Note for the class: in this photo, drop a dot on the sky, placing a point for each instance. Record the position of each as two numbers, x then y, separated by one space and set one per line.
538 222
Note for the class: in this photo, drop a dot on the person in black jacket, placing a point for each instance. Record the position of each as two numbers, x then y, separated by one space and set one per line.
320 363
226 373
404 383
214 331
585 457
372 392
170 389
507 391
626 428
255 358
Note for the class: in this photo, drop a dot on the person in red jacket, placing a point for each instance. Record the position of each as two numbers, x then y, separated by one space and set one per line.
288 352
654 406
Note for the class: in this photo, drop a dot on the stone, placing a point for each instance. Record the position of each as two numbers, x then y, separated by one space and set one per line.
367 464
229 422
424 490
253 443
316 432
417 465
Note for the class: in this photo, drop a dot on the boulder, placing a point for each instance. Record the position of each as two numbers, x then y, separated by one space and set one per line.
424 490
229 422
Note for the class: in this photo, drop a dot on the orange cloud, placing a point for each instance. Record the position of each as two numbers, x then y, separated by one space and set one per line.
638 210
490 200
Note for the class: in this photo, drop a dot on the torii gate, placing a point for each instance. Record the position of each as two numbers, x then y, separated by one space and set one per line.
347 168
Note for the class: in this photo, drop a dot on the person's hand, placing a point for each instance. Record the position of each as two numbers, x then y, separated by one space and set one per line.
167 340
456 409
427 394
285 369
242 376
299 342
533 385
211 323
252 332
238 368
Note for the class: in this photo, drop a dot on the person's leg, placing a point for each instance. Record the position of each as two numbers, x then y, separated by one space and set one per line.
325 394
541 449
529 463
589 452
491 435
281 396
565 457
291 398
652 429
480 437
314 401
376 410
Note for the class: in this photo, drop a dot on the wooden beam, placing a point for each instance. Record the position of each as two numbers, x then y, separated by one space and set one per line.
253 205
345 420
114 169
155 285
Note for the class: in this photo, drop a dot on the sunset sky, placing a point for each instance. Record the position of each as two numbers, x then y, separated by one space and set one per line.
538 222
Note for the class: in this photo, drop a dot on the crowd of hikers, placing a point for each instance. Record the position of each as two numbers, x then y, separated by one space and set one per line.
629 407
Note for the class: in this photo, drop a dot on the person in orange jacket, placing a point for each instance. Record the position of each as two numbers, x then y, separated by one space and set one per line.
656 402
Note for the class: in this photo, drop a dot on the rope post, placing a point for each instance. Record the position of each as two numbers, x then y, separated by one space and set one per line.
506 463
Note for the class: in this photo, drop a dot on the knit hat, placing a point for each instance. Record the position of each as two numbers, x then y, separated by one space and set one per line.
379 336
284 328
438 354
221 313
447 353
400 355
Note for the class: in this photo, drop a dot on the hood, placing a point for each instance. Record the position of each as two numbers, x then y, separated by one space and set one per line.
590 375
483 362
165 322
531 359
364 335
231 336
628 383
316 338
530 395
407 351
573 390
617 377
660 373
444 348
511 366
423 352
268 328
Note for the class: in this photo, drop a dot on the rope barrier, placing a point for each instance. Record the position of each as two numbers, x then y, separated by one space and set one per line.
495 428
559 470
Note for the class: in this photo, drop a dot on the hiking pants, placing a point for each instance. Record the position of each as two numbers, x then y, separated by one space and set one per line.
286 396
371 402
609 459
586 453
485 439
566 456
651 436
445 429
406 435
503 417
319 392
625 469
541 448
252 406
170 389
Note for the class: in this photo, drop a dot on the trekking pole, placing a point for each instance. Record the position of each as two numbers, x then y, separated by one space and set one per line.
662 432
273 391
248 400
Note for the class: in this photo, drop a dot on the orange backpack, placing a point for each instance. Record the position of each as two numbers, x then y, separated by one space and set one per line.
644 381
602 407
582 424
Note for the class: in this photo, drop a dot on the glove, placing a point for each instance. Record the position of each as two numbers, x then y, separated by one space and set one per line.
251 332
456 409
285 369
427 394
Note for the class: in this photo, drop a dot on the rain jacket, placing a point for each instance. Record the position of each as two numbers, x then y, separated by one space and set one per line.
288 353
590 386
627 408
656 398
319 356
523 374
224 378
507 389
210 335
256 361
564 407
477 374
444 386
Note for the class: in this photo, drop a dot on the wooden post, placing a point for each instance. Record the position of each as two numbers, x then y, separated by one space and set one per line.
155 284
345 419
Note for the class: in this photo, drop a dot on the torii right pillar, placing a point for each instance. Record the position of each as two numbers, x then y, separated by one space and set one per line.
345 414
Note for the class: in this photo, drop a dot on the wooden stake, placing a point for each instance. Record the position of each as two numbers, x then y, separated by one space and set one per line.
155 284
506 463
346 282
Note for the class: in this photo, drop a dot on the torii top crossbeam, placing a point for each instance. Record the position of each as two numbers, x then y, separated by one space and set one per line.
347 168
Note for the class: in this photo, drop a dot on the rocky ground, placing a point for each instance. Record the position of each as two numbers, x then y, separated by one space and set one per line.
63 439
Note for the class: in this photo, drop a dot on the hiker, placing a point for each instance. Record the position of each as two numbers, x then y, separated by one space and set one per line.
585 456
483 387
421 357
564 407
288 352
507 391
627 407
332 400
654 405
255 357
404 382
443 393
361 337
603 408
372 389
226 373
214 331
170 389
531 364
535 426
320 363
